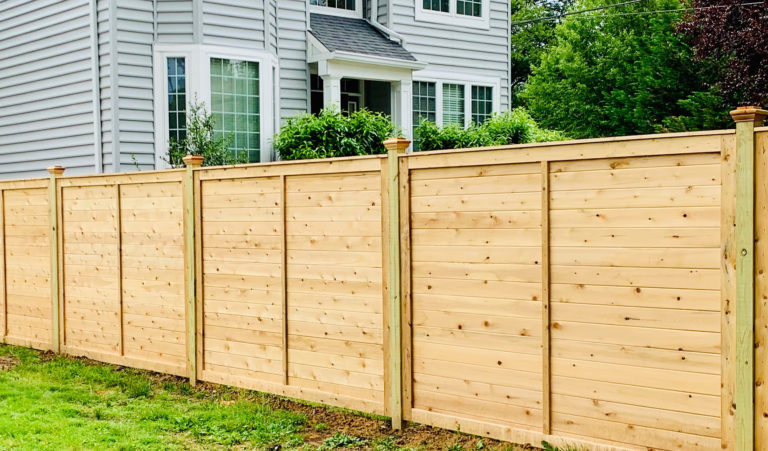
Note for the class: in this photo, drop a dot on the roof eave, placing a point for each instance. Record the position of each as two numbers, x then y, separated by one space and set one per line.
371 59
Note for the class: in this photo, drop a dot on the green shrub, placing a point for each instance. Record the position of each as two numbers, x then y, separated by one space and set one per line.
201 140
511 127
332 134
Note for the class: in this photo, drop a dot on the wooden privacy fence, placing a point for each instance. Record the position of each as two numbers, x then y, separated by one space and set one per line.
597 292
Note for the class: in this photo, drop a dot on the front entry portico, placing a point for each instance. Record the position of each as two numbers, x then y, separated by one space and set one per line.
357 76
370 80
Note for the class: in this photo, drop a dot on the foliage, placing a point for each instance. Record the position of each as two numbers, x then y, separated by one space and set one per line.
333 134
62 403
200 139
511 127
531 36
340 440
621 72
731 33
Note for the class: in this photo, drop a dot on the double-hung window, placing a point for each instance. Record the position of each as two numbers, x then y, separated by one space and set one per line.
482 103
462 13
453 104
424 105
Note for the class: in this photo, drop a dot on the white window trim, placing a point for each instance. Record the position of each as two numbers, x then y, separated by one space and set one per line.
357 13
452 17
467 81
198 86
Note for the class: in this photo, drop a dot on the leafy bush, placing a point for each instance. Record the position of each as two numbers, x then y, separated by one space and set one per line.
511 127
332 134
201 140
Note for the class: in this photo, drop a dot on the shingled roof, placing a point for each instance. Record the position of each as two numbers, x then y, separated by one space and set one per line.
347 34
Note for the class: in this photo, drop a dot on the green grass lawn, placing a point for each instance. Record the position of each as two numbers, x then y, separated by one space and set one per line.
58 403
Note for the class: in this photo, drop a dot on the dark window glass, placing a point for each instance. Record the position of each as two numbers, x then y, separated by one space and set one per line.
177 98
482 103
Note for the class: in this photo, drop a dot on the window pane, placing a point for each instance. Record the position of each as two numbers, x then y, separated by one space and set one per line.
339 4
482 103
453 104
436 5
235 105
469 7
423 105
177 99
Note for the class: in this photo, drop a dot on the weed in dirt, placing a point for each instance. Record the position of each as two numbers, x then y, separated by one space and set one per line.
341 440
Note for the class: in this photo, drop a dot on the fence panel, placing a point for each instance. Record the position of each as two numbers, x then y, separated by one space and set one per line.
476 293
292 280
635 285
90 229
123 279
27 273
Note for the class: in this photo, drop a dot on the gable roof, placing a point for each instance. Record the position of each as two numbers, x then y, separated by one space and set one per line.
347 34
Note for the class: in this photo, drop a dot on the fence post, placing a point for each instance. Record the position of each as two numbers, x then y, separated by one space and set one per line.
190 287
395 146
746 118
53 199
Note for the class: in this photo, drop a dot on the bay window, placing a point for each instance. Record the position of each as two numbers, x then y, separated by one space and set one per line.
235 86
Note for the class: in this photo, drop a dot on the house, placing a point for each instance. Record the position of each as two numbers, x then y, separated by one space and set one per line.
102 85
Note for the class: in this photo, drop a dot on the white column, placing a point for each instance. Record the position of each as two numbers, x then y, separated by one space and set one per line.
332 91
402 106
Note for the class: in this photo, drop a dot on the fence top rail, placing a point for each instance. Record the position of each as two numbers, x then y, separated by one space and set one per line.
365 163
584 149
571 142
24 183
123 178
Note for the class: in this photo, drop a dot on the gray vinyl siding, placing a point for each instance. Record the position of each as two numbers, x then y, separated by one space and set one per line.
236 23
271 26
135 35
46 87
175 21
383 16
454 49
105 83
294 73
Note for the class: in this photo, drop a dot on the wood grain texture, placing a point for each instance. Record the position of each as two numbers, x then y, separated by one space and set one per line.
761 289
622 303
29 307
